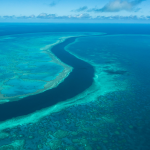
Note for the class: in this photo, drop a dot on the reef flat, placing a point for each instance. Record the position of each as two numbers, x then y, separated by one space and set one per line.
27 65
65 90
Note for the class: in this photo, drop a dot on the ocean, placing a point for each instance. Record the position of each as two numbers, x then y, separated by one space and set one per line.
74 86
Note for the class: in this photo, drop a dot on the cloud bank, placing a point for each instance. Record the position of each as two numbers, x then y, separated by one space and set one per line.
54 16
46 16
118 5
83 16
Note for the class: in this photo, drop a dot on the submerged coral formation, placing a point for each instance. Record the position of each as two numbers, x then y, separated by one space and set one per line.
110 115
106 123
27 65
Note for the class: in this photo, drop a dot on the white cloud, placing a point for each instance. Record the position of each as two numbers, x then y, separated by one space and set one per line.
46 16
118 5
80 9
54 16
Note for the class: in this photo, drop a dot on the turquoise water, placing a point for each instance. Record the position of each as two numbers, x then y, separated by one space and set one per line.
24 67
25 64
112 114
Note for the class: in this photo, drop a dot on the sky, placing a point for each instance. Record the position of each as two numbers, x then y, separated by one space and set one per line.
92 11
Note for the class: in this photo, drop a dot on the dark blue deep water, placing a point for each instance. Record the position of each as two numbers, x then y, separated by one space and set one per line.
20 28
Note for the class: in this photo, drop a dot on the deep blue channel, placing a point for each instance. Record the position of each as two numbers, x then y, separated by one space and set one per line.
78 81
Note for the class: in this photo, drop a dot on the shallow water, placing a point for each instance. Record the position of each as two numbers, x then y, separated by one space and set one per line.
110 114
82 74
26 65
